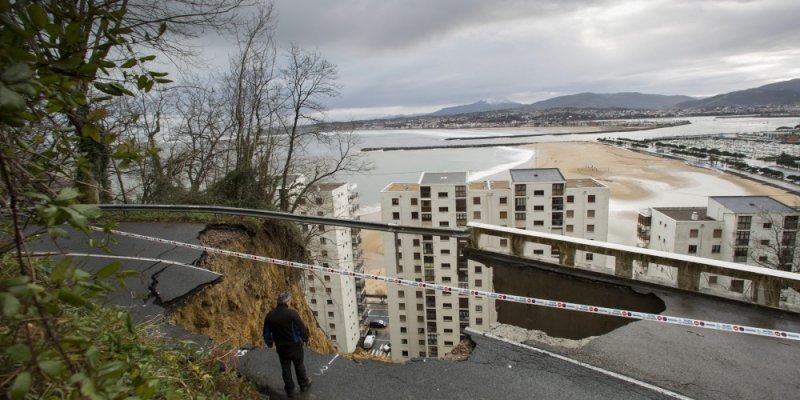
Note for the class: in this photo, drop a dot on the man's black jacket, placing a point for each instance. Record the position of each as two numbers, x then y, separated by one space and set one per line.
283 326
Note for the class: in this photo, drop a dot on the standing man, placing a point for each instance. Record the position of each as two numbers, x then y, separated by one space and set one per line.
284 327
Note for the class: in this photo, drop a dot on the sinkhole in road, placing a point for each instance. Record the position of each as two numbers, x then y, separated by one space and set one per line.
575 325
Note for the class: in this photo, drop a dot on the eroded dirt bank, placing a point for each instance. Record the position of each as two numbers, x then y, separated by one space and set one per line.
232 311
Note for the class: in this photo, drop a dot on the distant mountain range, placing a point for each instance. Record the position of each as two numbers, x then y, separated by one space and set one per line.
479 106
611 100
780 93
774 94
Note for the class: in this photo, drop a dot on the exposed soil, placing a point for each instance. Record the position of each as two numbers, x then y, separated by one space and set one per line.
233 310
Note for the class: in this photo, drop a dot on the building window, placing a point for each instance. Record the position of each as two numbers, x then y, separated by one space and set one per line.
538 223
476 215
693 233
401 306
767 225
519 190
503 242
538 252
538 192
570 213
316 314
589 213
330 314
402 318
413 201
504 200
717 233
520 216
737 285
322 240
715 249
478 321
589 228
743 238
765 242
415 242
324 253
570 199
425 192
743 222
520 204
590 198
503 214
461 191
401 294
444 223
414 215
395 201
570 228
740 254
589 256
762 258
327 278
395 215
445 251
478 282
692 249
476 200
442 195
538 208
329 302
443 209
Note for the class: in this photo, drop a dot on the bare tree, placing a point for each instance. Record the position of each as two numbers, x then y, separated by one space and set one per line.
776 248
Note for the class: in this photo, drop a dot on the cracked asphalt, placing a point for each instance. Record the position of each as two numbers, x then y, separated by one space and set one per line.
696 363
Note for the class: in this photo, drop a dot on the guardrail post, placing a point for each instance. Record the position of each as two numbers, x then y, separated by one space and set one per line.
688 276
766 292
623 265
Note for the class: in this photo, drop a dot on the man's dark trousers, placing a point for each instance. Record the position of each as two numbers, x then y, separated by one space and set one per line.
292 354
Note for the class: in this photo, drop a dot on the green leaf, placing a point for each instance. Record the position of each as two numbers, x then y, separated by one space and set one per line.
108 270
59 272
129 322
19 353
129 64
15 281
68 296
90 211
54 368
112 368
91 130
21 386
147 58
10 304
38 16
67 194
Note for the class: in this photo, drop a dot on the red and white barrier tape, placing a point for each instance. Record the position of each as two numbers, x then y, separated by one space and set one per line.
696 323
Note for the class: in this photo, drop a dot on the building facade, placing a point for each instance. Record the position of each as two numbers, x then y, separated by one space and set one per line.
427 323
753 230
336 301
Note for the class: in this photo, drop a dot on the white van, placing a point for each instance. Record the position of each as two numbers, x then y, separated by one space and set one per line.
369 340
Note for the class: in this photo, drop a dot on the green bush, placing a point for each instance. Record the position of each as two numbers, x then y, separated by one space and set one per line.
57 343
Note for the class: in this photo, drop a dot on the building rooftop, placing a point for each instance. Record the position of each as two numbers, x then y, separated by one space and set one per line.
479 185
684 213
536 175
582 183
330 186
432 178
500 184
751 204
401 187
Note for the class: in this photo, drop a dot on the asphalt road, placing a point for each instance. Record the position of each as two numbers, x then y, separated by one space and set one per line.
496 370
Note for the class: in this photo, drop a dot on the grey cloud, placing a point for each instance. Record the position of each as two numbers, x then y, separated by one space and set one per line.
395 53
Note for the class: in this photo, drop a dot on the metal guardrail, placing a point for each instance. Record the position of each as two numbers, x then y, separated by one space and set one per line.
284 216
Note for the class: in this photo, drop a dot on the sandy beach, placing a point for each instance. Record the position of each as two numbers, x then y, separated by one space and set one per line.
634 180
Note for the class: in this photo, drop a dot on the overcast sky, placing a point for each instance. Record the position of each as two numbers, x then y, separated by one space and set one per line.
406 56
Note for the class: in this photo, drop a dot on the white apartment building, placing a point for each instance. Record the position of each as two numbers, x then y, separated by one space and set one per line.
337 301
754 230
427 323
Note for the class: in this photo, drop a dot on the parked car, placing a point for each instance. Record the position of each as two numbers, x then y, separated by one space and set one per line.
378 323
369 340
386 348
